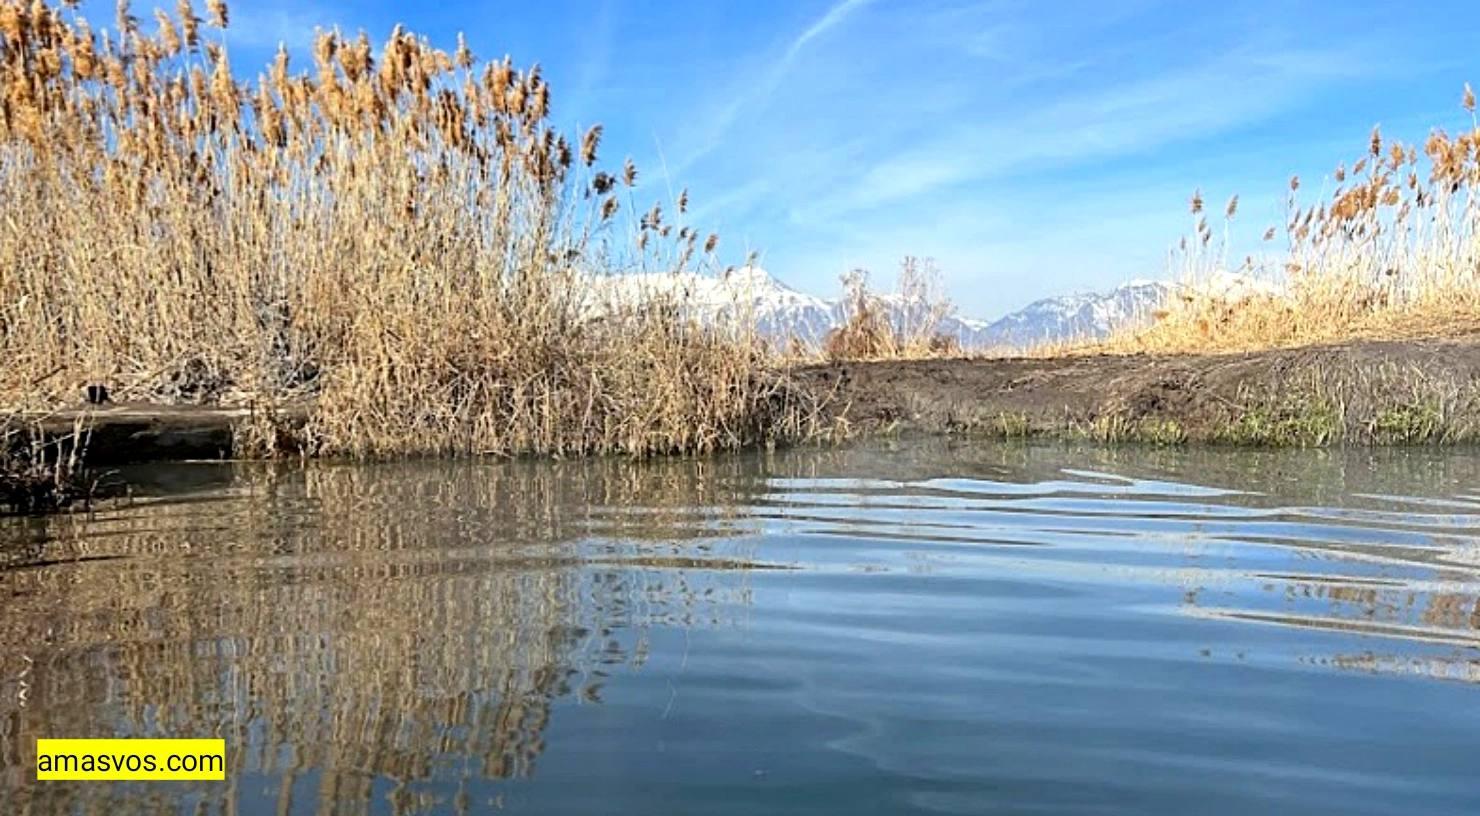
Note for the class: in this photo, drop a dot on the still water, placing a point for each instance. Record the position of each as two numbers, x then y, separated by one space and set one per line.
904 626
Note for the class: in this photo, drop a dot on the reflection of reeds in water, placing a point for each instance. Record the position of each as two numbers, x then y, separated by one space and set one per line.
1462 667
1399 611
354 627
1352 557
1390 612
363 624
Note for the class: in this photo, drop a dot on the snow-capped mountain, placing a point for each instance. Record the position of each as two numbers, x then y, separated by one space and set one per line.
783 312
748 292
1076 317
778 310
1093 316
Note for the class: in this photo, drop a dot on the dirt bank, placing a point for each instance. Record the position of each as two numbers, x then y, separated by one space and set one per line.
1363 392
1389 392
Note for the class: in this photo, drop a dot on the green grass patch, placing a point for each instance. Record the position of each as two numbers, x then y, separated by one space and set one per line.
1116 428
1416 423
1298 421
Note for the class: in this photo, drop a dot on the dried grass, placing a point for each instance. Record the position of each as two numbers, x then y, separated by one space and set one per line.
1391 251
399 235
872 330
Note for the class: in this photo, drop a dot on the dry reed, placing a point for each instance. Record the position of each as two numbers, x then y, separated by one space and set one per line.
398 236
872 330
1392 251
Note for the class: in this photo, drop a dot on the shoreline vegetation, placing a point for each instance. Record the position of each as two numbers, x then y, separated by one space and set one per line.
396 236
392 251
1390 250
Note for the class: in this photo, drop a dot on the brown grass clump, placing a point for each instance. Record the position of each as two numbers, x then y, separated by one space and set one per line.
867 332
1393 250
904 325
398 235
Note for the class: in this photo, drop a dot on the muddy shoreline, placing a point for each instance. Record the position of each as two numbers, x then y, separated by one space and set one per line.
1368 392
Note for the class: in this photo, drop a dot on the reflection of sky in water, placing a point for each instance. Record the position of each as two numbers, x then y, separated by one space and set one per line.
896 626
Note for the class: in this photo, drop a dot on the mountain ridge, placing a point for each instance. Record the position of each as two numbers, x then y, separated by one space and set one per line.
781 311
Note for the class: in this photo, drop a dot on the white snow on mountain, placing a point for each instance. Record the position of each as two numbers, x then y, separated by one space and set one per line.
1076 317
745 293
783 312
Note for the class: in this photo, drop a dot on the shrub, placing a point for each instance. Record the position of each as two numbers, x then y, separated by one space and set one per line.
905 324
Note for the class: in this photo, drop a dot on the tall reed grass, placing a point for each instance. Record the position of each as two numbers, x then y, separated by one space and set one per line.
398 234
1391 248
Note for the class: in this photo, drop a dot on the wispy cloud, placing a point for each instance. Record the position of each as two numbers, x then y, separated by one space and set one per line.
757 90
1131 117
735 200
596 40
833 17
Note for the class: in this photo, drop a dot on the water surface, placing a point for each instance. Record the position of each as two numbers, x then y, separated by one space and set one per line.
911 626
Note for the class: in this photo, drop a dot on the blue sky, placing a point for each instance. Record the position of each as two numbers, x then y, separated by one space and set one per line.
1032 148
